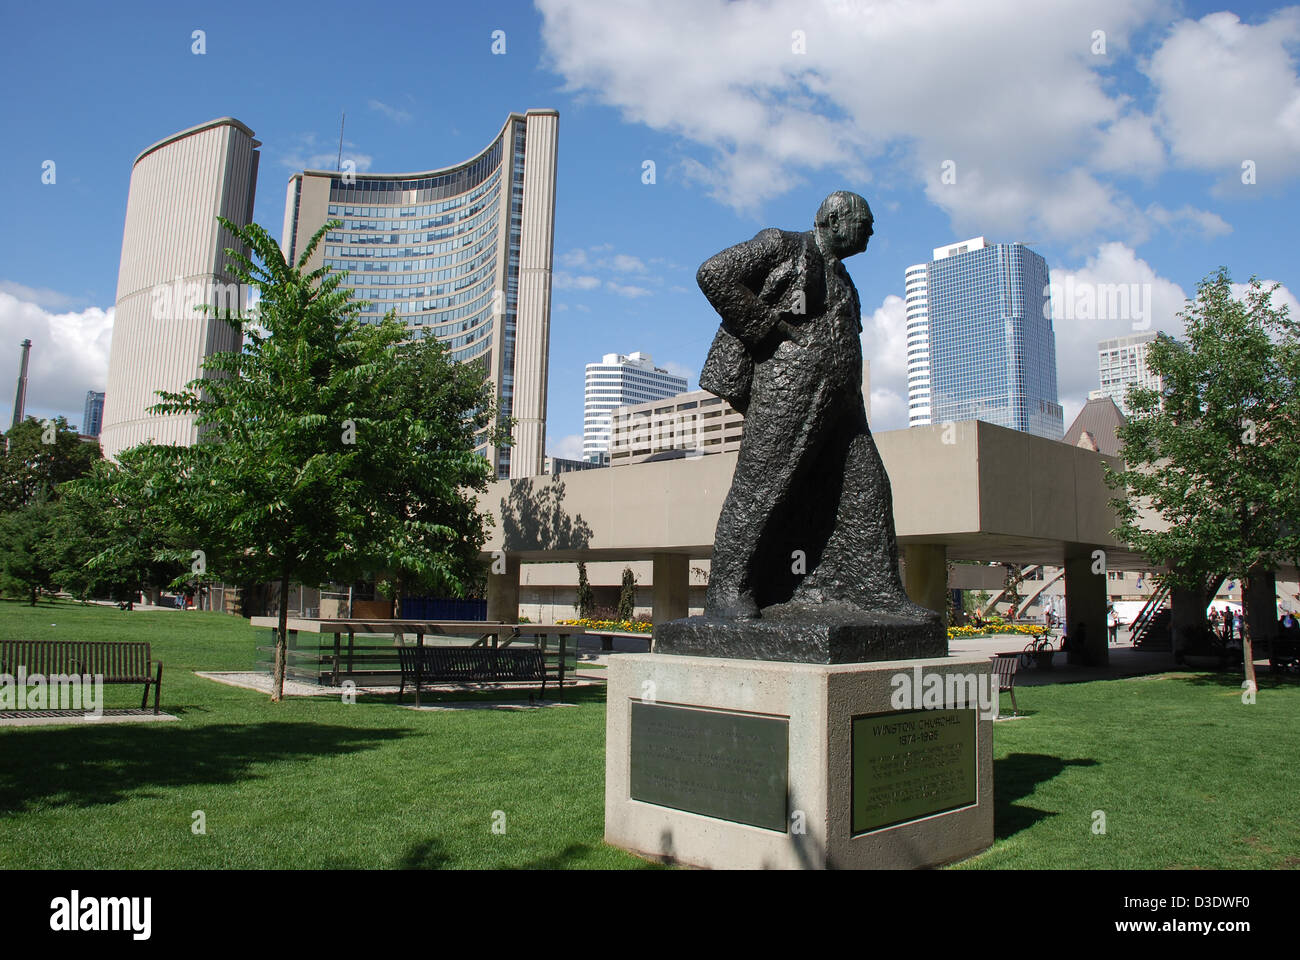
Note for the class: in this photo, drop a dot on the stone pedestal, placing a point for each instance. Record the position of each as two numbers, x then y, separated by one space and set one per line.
742 764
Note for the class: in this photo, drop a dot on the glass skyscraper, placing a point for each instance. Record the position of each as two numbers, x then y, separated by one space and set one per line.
992 349
92 418
465 251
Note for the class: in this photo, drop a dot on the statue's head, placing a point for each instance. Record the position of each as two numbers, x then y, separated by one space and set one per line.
843 224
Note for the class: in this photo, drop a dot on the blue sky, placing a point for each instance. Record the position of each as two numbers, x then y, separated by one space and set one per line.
1118 156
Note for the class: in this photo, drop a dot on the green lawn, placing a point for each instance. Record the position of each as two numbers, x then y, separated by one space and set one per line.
1186 775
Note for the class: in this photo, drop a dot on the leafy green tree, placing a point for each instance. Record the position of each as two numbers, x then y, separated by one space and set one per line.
38 455
29 550
627 595
422 419
1204 488
119 532
312 464
586 598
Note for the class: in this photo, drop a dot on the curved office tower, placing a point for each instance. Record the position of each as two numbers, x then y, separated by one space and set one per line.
172 258
465 250
918 347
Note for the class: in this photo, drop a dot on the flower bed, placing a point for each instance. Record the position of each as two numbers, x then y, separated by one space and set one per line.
621 626
994 629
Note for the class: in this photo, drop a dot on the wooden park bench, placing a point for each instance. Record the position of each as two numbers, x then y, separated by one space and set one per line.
1004 668
423 665
111 662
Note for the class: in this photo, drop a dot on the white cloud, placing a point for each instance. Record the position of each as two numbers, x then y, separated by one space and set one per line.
1096 302
561 280
673 367
69 355
884 346
1281 297
625 263
396 114
1228 92
568 447
1008 91
312 154
626 290
41 296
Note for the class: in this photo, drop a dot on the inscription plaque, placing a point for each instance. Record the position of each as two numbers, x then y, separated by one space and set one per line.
733 766
911 764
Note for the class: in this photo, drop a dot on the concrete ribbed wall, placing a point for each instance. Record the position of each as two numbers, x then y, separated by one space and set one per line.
172 239
533 314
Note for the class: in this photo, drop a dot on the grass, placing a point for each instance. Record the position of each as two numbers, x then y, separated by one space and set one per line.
1186 775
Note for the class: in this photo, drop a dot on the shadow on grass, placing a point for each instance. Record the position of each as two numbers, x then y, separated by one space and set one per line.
1230 680
1015 777
83 767
575 695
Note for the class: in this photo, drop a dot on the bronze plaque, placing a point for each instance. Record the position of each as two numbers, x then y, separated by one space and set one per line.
733 766
911 764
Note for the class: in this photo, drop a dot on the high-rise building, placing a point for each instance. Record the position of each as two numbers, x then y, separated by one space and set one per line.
173 257
918 346
465 251
92 418
992 349
1121 363
620 380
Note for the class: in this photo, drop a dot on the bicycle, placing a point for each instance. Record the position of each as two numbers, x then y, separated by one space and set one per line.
1039 644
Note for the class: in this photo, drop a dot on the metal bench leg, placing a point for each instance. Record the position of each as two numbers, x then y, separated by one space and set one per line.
157 689
144 698
1015 709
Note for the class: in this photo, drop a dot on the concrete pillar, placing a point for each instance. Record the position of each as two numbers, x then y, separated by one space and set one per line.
1187 622
503 591
1085 603
672 587
926 576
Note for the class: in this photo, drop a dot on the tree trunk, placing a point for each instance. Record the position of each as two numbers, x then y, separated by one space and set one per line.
281 641
33 596
1259 617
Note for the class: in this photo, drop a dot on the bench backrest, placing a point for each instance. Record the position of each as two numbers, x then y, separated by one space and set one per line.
454 664
114 661
1005 669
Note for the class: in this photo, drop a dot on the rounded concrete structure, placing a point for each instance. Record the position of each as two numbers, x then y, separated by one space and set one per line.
173 257
464 250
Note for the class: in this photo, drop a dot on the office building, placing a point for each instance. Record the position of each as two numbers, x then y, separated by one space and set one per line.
1122 363
92 418
992 349
173 257
620 380
465 251
918 346
688 424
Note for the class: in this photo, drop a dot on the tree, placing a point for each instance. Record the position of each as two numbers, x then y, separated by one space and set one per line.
627 595
36 457
586 599
312 463
423 418
29 549
1208 457
120 535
